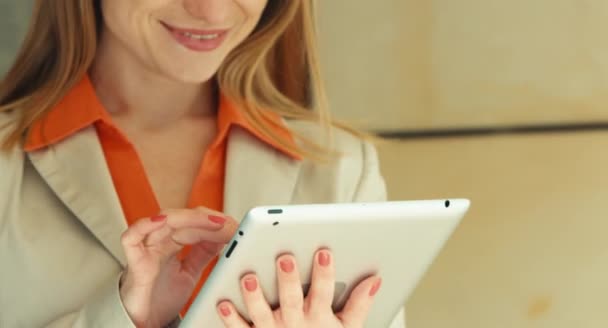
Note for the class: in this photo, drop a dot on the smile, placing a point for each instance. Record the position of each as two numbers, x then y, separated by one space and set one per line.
197 40
201 36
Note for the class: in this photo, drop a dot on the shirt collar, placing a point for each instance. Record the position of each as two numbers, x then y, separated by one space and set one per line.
81 108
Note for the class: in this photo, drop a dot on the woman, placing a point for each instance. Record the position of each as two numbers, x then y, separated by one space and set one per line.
130 127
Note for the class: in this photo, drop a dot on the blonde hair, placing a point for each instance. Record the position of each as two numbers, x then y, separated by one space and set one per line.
276 68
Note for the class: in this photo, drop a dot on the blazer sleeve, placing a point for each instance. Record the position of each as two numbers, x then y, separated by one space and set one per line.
372 188
103 310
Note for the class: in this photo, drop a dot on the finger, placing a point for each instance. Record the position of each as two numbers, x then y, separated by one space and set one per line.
199 257
190 236
133 237
257 306
201 218
204 209
160 237
360 301
291 296
321 295
230 317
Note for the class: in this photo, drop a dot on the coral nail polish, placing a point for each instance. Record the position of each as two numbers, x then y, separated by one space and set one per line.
375 288
217 219
324 259
158 218
251 284
286 265
225 310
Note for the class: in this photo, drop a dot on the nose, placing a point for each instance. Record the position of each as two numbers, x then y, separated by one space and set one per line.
213 12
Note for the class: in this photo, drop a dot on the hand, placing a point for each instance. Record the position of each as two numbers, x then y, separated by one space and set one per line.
157 284
295 311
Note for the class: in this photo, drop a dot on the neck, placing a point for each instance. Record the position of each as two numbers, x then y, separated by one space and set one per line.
130 90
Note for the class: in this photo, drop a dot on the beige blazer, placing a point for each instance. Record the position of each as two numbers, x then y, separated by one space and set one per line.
61 221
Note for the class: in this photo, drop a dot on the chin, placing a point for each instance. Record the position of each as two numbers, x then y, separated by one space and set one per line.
191 78
188 75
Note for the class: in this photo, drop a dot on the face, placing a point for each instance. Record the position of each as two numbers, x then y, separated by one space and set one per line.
185 40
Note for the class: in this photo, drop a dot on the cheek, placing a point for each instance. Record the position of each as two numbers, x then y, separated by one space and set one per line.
253 9
125 19
250 11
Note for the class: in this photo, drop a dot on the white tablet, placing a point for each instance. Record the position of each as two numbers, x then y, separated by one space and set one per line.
397 240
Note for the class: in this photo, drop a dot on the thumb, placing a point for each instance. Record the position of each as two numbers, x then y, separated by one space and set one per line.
135 235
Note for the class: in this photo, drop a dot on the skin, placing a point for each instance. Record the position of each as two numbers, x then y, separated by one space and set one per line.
171 128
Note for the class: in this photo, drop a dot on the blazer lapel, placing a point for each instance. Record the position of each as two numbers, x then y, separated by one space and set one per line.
75 169
256 174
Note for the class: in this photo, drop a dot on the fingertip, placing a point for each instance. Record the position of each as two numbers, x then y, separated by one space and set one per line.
375 286
217 219
326 250
137 232
246 276
285 257
230 219
286 263
250 282
224 309
231 224
160 218
324 257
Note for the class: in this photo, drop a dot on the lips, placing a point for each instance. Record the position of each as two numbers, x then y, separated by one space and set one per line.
197 40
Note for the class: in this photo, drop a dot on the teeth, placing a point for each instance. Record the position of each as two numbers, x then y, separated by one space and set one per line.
201 36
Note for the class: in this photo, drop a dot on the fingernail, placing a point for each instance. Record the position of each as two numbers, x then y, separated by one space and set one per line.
286 265
217 219
158 218
251 284
225 310
324 259
375 288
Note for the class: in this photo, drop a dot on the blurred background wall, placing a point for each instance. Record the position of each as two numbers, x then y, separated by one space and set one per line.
14 15
503 102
